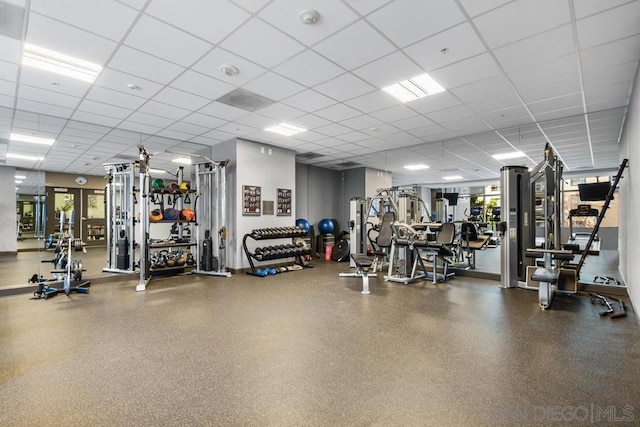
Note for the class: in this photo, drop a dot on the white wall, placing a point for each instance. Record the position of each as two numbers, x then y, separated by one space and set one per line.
8 220
629 232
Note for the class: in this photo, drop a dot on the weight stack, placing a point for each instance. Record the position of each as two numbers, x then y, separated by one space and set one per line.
122 262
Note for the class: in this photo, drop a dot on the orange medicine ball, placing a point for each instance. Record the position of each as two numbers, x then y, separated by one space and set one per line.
187 214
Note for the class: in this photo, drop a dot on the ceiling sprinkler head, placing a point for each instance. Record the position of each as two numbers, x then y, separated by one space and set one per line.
309 16
229 70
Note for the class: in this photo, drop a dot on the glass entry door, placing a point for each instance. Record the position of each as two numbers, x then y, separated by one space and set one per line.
93 220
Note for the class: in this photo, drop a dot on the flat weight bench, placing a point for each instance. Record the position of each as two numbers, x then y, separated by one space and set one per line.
363 265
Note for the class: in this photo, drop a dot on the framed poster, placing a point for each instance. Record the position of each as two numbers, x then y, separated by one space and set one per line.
251 200
284 202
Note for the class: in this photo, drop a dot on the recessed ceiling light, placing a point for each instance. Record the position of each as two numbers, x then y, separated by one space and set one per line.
59 63
285 129
416 167
309 16
20 177
24 157
31 139
414 88
182 160
19 181
451 178
510 155
132 86
229 70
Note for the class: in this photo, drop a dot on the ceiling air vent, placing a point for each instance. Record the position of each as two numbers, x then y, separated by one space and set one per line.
308 156
245 100
348 164
11 18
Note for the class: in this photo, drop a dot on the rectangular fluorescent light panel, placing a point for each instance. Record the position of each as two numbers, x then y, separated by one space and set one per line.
31 139
416 167
451 178
23 157
19 181
59 63
414 88
182 160
511 155
285 129
20 177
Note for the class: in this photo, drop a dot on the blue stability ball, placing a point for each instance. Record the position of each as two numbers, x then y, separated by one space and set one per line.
304 224
325 226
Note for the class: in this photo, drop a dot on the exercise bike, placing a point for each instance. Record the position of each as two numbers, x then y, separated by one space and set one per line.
67 271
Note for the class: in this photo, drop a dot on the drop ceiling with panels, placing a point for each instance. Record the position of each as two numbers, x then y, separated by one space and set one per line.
517 74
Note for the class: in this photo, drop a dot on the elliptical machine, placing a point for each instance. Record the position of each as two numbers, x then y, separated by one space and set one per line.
67 272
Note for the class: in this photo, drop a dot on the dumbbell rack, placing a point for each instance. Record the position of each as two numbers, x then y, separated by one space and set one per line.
269 253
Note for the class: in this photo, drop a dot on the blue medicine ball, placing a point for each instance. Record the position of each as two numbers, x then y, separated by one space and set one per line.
325 226
303 224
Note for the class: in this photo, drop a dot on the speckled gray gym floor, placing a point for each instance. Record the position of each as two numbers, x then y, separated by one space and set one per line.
307 348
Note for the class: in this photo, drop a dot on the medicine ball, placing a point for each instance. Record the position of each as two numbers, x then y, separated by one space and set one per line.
303 224
173 187
187 214
171 214
184 186
325 226
156 215
158 183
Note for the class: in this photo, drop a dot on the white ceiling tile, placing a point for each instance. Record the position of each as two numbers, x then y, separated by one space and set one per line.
534 50
495 103
344 87
219 135
95 118
181 99
102 109
281 112
7 87
420 19
622 73
237 129
585 8
309 101
410 123
149 67
283 14
556 69
555 104
392 114
11 49
619 92
310 136
269 49
470 70
252 5
550 90
203 120
42 108
207 19
209 66
63 38
117 80
222 111
163 110
116 98
355 46
499 27
362 122
388 70
334 129
164 41
449 114
373 101
274 86
201 85
310 121
256 121
8 71
48 96
150 119
106 18
483 89
139 127
436 102
474 7
338 112
606 55
6 101
461 42
353 136
610 25
364 7
170 133
309 68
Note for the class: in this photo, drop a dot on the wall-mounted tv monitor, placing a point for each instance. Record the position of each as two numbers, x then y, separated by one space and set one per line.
451 197
594 192
476 211
495 211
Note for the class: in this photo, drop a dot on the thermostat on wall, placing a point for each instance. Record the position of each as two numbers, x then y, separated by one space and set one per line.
81 180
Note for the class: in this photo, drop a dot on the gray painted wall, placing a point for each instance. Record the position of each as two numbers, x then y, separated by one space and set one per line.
318 194
629 210
8 220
